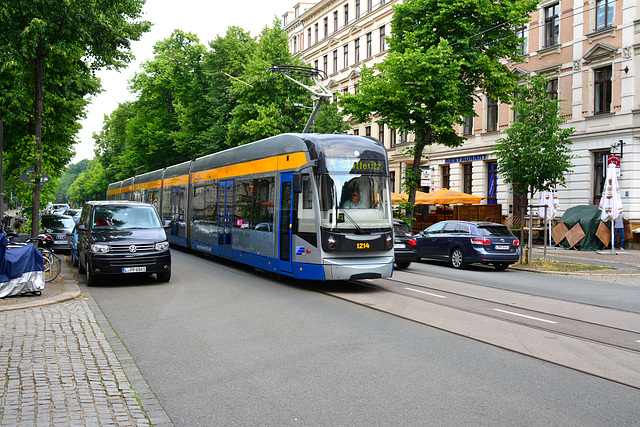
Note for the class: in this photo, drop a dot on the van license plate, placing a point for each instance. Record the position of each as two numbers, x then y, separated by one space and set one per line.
502 247
134 269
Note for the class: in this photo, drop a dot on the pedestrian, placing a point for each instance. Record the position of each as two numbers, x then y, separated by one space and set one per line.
618 226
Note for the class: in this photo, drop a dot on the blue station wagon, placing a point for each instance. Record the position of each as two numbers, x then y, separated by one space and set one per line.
465 242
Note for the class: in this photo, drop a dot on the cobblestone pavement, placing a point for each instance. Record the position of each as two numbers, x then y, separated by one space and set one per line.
63 365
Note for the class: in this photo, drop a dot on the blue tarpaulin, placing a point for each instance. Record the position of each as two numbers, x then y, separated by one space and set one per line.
21 269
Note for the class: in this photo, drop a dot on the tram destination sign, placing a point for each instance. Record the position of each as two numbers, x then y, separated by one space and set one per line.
356 166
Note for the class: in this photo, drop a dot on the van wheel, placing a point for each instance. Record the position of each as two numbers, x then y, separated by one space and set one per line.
91 278
402 265
165 276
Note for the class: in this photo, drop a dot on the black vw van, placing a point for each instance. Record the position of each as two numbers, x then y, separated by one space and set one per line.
121 237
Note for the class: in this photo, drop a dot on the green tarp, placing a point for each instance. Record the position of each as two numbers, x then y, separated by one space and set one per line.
589 218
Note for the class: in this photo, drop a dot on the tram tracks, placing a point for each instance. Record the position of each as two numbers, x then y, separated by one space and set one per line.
599 341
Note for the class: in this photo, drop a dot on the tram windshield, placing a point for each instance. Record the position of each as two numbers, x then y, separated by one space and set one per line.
354 202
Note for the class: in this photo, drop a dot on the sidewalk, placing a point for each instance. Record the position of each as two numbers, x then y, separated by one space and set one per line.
61 363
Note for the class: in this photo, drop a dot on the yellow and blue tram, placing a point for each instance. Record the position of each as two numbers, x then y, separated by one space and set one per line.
310 206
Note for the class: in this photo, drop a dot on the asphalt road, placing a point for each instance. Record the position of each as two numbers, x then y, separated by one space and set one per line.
223 345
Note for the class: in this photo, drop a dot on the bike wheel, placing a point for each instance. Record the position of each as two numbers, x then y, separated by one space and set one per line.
52 266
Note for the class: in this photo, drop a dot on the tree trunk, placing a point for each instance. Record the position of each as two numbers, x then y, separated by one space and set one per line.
415 168
38 63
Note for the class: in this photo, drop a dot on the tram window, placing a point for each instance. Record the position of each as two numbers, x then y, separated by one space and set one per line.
198 202
166 203
306 218
264 190
211 202
242 205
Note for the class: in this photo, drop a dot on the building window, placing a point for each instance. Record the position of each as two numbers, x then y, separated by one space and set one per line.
404 137
357 50
492 114
346 14
355 89
335 96
369 5
602 87
392 180
600 171
346 56
552 89
604 14
369 49
335 61
467 175
315 27
326 27
523 48
345 90
446 176
335 21
381 133
356 132
551 25
357 9
516 113
392 138
325 66
467 128
492 189
297 11
383 42
315 64
367 131
309 35
295 44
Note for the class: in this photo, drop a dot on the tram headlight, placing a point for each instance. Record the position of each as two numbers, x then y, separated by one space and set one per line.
332 242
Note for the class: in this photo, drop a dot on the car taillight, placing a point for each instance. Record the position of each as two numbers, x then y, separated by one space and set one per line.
485 242
412 243
516 242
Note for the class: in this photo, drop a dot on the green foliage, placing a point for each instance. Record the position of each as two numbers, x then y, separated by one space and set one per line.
90 184
68 177
439 53
49 49
536 153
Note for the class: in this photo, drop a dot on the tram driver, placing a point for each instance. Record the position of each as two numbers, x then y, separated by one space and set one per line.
354 202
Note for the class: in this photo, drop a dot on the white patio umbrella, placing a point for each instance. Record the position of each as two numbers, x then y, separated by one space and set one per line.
550 200
611 202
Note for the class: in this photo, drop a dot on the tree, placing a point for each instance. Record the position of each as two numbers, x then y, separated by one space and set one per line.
68 177
536 153
51 39
265 102
440 52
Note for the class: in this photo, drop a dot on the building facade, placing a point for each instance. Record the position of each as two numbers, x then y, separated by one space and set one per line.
587 50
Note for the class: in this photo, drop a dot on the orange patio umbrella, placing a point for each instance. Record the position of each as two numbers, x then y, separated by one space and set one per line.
445 196
402 197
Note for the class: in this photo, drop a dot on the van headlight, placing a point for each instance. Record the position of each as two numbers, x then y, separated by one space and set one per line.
97 248
161 246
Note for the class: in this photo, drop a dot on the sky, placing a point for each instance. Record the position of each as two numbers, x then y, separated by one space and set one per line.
205 18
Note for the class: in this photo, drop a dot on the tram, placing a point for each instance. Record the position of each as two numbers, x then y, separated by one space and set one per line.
309 206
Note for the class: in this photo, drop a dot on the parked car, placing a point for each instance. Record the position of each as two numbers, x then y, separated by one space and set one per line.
59 208
404 245
466 242
74 213
121 237
61 226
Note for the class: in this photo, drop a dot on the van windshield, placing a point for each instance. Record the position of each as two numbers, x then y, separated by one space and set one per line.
121 217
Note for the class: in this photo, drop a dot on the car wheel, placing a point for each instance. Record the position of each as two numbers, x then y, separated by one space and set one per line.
165 276
501 265
402 265
457 259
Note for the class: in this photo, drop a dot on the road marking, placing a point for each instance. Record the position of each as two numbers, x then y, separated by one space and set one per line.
522 315
426 293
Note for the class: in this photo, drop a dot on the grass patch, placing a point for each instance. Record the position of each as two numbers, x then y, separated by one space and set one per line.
550 265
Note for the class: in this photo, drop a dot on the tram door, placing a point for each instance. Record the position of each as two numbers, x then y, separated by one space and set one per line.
286 222
177 213
225 217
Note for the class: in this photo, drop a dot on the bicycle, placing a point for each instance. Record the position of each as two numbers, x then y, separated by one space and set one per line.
44 242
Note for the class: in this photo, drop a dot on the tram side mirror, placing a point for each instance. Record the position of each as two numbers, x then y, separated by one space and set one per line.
297 183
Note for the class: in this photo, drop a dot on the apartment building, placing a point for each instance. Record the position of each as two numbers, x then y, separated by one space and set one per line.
587 50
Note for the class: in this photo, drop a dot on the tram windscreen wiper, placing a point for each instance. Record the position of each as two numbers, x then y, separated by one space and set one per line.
360 230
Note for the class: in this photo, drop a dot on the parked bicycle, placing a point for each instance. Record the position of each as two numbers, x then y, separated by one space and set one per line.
44 242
